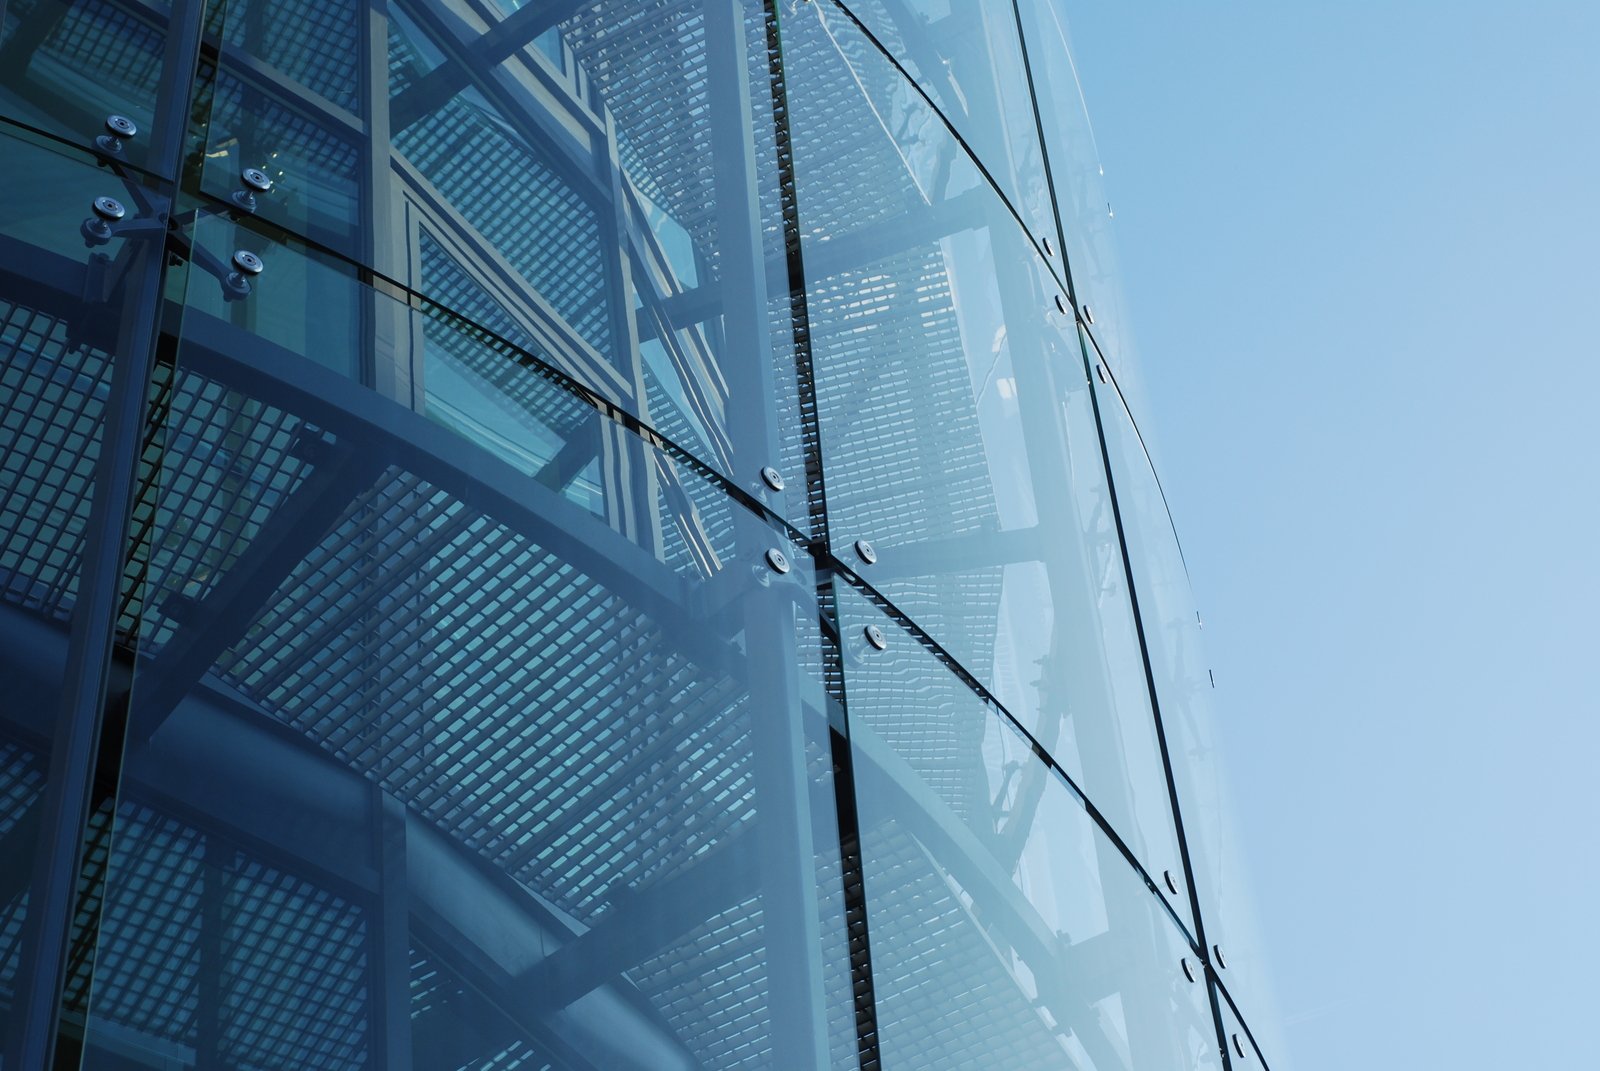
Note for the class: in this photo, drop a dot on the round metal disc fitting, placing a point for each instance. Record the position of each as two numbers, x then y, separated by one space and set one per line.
1172 882
778 563
1221 960
772 478
1188 968
875 636
120 126
1088 315
1100 370
256 179
109 209
1049 250
247 262
1061 304
1238 1046
866 551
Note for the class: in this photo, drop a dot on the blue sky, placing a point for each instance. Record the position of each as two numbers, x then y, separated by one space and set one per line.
1361 245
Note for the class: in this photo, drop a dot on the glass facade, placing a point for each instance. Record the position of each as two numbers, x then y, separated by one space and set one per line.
604 534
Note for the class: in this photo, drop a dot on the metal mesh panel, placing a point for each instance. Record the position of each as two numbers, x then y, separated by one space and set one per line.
181 905
311 41
507 191
49 444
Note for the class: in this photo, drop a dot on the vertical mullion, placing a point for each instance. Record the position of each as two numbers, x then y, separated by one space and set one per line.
847 820
389 934
76 744
65 806
789 902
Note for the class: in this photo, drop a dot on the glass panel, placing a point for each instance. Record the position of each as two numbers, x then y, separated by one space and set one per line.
68 65
432 764
957 434
308 304
621 207
966 56
1241 1045
504 186
548 42
1173 633
630 215
65 335
1087 218
312 43
688 88
1005 929
278 92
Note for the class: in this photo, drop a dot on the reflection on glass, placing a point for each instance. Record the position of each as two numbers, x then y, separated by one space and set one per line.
957 435
1005 929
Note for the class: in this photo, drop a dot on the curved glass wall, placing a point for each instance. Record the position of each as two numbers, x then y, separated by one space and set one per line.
566 534
1174 635
987 880
959 450
1078 181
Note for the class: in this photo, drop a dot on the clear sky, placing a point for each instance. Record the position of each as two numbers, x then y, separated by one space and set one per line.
1361 244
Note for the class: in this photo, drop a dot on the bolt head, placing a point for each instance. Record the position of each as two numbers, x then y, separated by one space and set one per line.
1172 882
256 179
109 209
875 636
866 551
1188 968
1088 315
1238 1046
1061 304
777 562
1049 250
120 126
772 478
247 262
1221 960
1100 370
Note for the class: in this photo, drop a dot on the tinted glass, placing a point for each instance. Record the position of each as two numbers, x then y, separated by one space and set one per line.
433 763
1005 928
957 436
1184 684
68 347
68 65
462 712
1086 212
610 181
279 91
967 58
